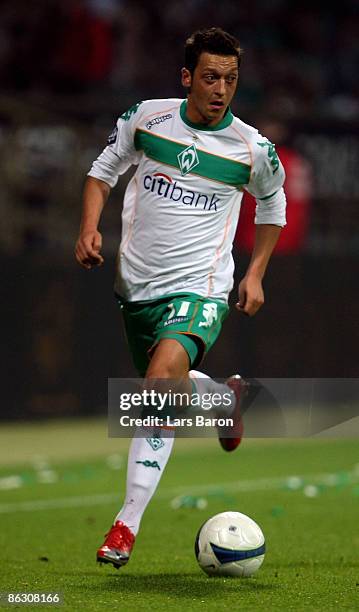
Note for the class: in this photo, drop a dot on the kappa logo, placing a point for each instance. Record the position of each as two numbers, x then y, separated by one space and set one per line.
210 315
157 120
155 443
148 463
175 320
188 159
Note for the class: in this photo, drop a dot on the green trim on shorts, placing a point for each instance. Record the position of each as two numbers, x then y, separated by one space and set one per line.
194 321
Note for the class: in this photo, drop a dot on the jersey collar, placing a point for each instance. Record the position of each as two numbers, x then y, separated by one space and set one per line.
226 121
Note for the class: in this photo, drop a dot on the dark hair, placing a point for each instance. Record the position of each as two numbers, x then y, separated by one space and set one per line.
210 40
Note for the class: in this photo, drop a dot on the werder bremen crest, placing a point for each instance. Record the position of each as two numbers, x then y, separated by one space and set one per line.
155 443
188 159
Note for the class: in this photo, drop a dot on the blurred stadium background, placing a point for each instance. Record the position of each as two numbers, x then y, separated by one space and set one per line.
67 70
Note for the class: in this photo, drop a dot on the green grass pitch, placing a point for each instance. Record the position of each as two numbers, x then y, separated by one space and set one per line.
61 483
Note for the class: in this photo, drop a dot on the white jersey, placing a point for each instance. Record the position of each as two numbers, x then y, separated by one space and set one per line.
181 207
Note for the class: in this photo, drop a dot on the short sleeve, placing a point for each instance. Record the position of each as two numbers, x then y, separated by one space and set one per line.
120 152
266 183
267 175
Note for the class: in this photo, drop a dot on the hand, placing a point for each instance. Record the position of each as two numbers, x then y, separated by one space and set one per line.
251 296
88 248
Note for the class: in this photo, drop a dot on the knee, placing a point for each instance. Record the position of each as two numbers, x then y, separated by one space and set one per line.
162 370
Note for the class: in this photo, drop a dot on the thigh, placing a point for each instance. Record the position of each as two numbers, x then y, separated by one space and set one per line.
169 360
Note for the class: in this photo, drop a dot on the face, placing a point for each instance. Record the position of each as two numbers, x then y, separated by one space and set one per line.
212 87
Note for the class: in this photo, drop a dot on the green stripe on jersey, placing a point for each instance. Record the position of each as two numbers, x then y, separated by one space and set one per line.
210 166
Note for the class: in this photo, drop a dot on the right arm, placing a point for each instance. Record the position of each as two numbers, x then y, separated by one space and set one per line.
89 242
119 154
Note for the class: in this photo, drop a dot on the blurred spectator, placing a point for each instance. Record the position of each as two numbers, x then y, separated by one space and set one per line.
28 35
84 53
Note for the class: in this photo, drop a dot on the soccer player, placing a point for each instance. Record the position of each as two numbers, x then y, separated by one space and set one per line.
174 266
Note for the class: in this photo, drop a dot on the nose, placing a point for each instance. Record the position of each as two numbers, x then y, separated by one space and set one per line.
221 87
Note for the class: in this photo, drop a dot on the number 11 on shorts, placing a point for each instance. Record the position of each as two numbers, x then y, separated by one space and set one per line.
182 311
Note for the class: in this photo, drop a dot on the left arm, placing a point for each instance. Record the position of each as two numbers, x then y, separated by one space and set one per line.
266 185
250 290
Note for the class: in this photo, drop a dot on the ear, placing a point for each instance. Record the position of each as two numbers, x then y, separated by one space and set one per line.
186 77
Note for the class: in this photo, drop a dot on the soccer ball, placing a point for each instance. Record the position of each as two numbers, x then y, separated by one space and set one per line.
230 544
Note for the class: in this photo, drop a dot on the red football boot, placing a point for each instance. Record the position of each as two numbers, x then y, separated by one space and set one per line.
230 437
118 545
